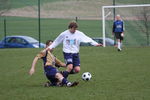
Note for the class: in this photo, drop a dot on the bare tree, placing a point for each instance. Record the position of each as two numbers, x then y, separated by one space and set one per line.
146 21
144 25
143 22
4 6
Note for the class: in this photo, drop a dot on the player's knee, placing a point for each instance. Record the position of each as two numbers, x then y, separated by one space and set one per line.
58 76
69 67
77 69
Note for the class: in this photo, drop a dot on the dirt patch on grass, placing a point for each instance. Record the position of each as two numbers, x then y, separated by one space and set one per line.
69 10
65 9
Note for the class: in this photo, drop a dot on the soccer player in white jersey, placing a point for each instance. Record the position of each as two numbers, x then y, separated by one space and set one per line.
71 39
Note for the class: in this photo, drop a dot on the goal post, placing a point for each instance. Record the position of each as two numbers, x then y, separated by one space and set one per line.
104 15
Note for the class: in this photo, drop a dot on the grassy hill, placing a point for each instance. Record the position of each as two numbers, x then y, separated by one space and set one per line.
22 3
85 9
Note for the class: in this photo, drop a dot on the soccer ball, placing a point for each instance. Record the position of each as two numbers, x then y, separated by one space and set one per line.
86 76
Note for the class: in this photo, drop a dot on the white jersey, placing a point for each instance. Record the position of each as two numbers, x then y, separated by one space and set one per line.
71 41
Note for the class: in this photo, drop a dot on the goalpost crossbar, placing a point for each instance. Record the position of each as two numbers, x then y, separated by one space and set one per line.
124 6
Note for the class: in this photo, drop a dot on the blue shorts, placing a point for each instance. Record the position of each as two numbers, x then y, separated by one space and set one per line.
50 73
72 58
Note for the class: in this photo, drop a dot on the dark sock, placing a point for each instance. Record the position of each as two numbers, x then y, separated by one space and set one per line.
65 74
64 81
72 72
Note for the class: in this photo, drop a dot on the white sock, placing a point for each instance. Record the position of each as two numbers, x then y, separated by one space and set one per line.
119 44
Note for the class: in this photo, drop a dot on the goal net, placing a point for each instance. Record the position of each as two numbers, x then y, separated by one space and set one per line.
136 21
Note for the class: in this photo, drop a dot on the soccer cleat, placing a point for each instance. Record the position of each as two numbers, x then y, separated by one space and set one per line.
47 84
119 49
72 72
74 84
69 84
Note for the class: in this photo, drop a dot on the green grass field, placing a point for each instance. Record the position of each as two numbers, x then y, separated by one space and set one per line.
116 75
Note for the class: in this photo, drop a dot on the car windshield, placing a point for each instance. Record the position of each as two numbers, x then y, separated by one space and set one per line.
31 40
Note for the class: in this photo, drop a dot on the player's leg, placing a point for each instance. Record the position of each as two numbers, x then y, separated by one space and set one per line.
76 64
121 39
69 67
64 81
61 79
119 44
54 76
50 74
69 62
52 81
76 69
118 36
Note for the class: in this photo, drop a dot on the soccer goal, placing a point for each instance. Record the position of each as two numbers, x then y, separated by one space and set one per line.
136 19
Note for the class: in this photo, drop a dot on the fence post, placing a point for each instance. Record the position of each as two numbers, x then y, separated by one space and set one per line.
39 22
76 19
5 30
114 12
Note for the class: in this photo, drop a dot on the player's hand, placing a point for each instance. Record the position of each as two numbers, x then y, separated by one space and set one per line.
58 66
98 45
62 65
122 34
48 49
112 33
31 72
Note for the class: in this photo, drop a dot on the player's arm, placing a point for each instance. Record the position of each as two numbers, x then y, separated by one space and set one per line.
56 42
123 29
32 69
87 39
59 63
42 53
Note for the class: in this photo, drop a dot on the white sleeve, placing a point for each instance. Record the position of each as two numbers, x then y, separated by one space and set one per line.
87 39
57 41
